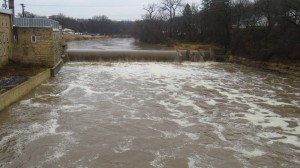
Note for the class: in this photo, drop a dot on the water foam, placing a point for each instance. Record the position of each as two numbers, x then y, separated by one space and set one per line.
194 161
124 145
187 98
247 153
192 136
158 160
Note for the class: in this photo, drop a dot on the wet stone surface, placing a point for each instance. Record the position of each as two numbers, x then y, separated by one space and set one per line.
9 82
155 115
12 75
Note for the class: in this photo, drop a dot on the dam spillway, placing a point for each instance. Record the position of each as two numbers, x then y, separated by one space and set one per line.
128 50
122 55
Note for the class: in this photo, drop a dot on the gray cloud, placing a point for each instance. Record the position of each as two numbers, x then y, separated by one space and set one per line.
114 9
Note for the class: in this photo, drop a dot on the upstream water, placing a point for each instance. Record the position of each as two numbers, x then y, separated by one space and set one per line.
114 44
155 115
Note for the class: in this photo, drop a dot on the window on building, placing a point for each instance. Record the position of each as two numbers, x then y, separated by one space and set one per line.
15 38
33 39
15 35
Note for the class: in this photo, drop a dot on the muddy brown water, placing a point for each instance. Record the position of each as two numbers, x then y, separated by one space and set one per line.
155 115
111 44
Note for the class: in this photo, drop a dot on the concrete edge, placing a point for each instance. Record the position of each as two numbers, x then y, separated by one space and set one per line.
16 93
122 55
57 68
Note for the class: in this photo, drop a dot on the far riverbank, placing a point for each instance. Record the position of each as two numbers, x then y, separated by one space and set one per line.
77 37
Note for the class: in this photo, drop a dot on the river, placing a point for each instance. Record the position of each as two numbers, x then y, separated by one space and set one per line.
155 115
114 44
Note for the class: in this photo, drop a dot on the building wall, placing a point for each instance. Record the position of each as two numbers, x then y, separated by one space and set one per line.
57 41
45 51
5 38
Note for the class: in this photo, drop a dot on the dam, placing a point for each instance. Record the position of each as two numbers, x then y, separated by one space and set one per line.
155 114
123 55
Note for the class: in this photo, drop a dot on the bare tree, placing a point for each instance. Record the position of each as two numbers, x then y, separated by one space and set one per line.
150 9
266 9
195 8
100 18
239 11
29 15
171 6
162 15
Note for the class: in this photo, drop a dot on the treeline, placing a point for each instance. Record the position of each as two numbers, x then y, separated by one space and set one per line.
101 25
260 29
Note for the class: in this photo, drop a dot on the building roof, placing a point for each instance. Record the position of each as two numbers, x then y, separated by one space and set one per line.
6 11
36 22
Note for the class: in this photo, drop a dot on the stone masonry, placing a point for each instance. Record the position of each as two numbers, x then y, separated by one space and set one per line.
5 38
37 46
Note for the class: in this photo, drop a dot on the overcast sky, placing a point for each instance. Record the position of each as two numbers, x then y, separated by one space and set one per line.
114 9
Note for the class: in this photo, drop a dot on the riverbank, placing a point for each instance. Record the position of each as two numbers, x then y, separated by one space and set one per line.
292 68
280 65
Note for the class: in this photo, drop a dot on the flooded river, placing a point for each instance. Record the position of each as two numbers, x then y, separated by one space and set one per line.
155 115
114 44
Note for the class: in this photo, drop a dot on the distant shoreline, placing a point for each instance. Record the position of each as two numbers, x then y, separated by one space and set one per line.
282 66
75 37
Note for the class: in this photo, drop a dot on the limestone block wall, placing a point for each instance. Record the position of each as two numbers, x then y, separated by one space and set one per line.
5 39
36 46
57 41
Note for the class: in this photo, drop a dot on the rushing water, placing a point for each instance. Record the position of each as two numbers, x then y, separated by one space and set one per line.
155 115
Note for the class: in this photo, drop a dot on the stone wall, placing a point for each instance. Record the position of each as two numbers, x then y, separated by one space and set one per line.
57 46
37 46
5 38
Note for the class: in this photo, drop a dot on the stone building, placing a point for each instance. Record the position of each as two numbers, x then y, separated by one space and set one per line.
37 41
5 36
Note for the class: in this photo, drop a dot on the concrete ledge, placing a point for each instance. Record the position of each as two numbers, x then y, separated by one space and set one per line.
15 94
123 55
57 68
